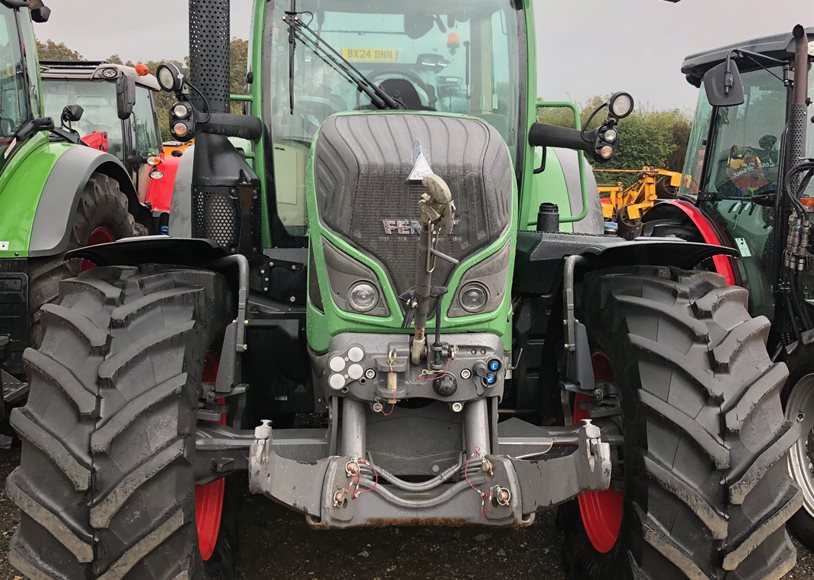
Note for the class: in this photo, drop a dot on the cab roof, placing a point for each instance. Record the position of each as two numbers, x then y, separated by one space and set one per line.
95 70
780 46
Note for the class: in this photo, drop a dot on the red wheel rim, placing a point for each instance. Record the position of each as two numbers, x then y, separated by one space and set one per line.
209 497
601 511
100 235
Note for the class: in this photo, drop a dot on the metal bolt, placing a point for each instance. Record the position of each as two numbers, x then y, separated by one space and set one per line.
339 498
487 467
466 374
503 496
293 299
457 407
263 431
800 417
351 468
262 271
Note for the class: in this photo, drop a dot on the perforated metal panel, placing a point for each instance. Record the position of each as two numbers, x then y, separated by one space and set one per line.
216 216
209 52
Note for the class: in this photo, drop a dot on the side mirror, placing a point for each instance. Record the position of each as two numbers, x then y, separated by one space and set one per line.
40 13
125 96
432 61
72 114
723 85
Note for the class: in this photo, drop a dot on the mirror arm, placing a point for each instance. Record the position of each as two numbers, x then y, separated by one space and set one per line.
540 169
753 56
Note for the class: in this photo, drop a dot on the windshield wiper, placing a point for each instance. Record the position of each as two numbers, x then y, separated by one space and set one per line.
299 30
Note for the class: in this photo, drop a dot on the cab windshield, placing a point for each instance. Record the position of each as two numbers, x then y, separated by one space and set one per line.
13 100
454 56
740 156
97 98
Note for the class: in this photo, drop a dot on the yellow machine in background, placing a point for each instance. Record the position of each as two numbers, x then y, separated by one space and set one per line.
627 204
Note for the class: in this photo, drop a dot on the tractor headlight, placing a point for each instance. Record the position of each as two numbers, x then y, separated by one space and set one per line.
473 297
363 297
621 105
170 77
181 111
610 135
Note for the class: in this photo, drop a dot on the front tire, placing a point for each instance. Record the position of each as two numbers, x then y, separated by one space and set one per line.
703 470
106 481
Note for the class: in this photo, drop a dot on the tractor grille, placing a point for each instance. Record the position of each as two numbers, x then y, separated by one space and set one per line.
361 167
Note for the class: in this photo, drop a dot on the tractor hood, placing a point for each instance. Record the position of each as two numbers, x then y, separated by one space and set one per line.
780 46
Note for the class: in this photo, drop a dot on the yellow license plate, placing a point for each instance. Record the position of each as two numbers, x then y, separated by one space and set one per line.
370 54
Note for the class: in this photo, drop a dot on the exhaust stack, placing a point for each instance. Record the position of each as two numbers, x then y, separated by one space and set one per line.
209 52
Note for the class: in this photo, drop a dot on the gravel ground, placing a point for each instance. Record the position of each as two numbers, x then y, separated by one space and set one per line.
276 543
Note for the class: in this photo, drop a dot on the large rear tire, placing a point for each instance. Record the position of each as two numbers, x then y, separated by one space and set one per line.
101 216
106 482
703 469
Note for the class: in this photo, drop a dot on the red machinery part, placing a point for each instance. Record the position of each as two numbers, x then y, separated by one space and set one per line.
601 511
209 497
723 264
161 183
97 140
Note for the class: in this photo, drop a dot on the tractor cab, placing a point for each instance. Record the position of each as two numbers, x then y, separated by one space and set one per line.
734 168
19 81
447 56
118 110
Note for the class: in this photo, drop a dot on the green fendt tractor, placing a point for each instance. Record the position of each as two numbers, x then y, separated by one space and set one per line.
370 316
746 186
55 195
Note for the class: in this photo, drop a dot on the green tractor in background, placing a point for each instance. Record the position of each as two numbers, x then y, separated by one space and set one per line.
55 195
135 140
747 186
371 312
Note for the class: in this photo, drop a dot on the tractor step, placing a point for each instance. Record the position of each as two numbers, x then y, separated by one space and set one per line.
14 390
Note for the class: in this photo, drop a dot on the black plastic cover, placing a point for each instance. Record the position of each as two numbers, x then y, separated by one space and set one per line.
361 168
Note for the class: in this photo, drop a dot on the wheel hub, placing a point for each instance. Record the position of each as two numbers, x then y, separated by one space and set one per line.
100 235
209 497
601 511
800 408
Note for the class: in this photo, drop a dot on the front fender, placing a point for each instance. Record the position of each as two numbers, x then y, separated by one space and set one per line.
538 268
50 230
22 180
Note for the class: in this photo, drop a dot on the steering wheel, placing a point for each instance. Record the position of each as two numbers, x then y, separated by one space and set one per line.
406 74
750 177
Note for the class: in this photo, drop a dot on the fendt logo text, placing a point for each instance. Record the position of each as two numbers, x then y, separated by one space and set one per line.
401 227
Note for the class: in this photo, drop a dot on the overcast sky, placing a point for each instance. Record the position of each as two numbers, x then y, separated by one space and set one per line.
599 46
